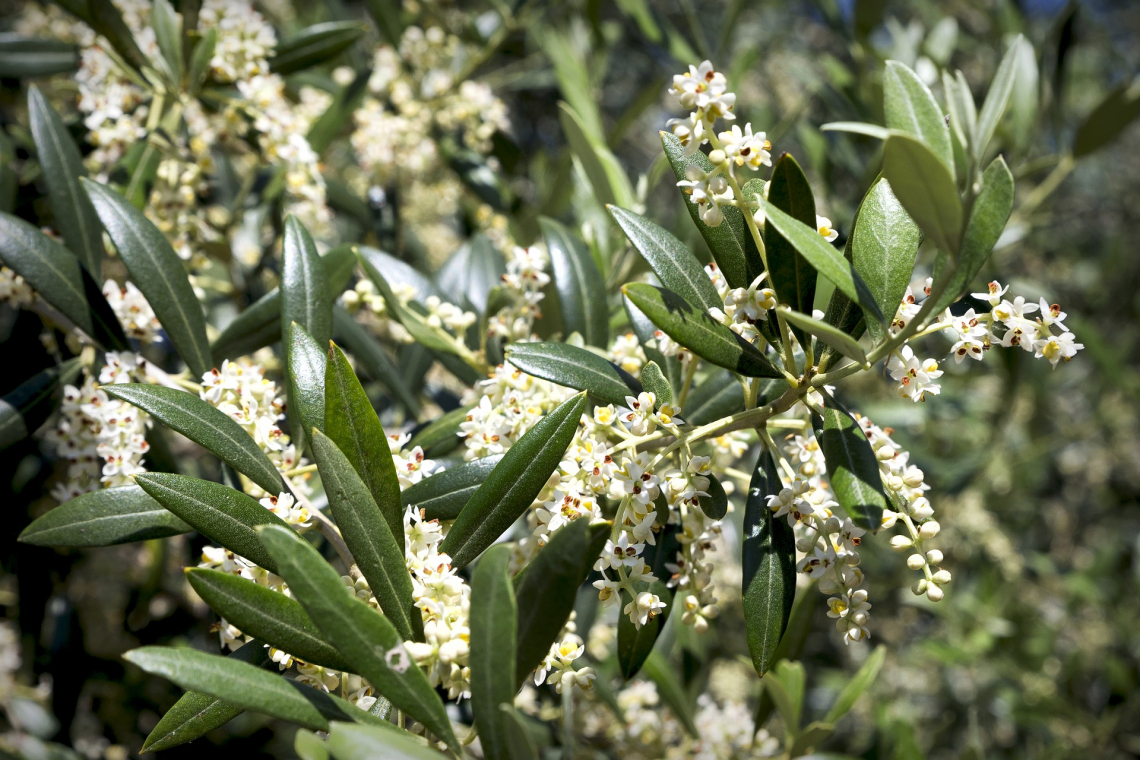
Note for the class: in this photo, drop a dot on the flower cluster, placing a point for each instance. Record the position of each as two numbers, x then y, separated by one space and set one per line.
14 290
743 307
558 668
522 284
134 312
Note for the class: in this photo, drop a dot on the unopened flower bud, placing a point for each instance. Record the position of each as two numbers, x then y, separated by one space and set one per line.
901 543
828 586
929 529
919 587
913 477
915 562
934 593
716 157
942 577
934 557
805 544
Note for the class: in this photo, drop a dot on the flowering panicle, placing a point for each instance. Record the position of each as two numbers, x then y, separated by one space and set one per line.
523 283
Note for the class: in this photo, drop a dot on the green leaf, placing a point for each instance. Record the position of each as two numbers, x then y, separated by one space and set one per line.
8 177
367 534
658 670
857 128
852 468
634 644
388 15
768 557
443 434
364 636
520 745
494 623
884 245
57 276
925 188
858 684
786 686
655 382
718 396
309 746
673 263
373 360
832 336
1108 120
348 741
158 272
910 108
196 714
25 409
107 21
813 735
698 331
265 614
791 275
244 685
546 589
573 75
306 383
62 165
997 98
352 425
727 241
716 506
200 60
962 129
646 333
472 272
103 518
988 217
444 494
412 321
581 289
304 284
822 255
601 166
512 486
334 119
31 57
576 368
204 424
218 512
314 45
167 27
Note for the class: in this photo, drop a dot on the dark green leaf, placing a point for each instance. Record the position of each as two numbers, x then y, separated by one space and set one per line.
474 270
24 409
512 486
581 289
364 636
200 59
646 333
196 714
388 15
658 670
884 245
822 255
727 241
546 589
158 272
910 108
718 396
412 321
813 735
103 518
858 684
314 45
494 620
997 98
31 57
576 368
1108 120
655 382
309 746
62 167
673 263
373 360
791 275
443 495
107 20
334 120
8 177
348 741
218 512
991 211
265 614
520 744
852 469
168 34
602 168
442 434
372 543
634 644
832 336
354 427
926 189
204 424
769 562
785 684
304 284
306 383
716 506
698 331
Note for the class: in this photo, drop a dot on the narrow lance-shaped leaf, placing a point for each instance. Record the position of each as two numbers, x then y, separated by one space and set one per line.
373 546
997 98
314 45
791 275
103 518
196 714
350 741
655 382
27 407
107 21
158 272
200 59
364 636
494 620
220 513
716 505
1108 120
309 746
168 34
727 241
352 424
576 368
375 363
673 263
719 395
35 57
265 614
545 590
581 290
306 383
412 321
204 424
304 284
822 255
443 434
698 331
832 336
858 684
62 167
769 562
658 670
635 643
646 333
513 485
443 495
909 107
521 745
926 189
852 469
602 168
